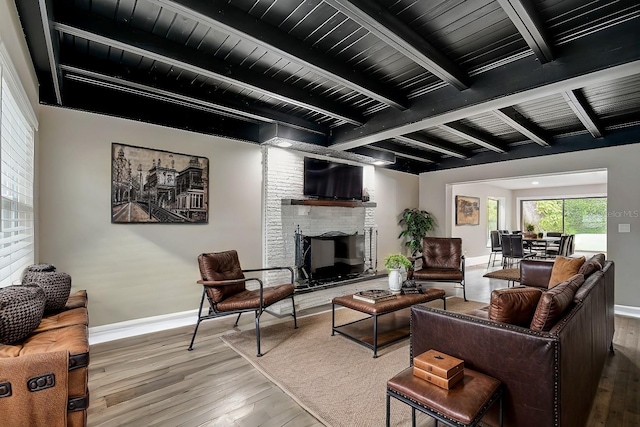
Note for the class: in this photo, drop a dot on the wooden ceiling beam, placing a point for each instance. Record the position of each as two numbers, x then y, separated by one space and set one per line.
427 143
524 17
390 29
96 29
584 112
474 136
513 118
220 14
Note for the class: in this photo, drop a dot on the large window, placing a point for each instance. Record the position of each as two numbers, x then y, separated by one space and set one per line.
493 208
584 217
16 170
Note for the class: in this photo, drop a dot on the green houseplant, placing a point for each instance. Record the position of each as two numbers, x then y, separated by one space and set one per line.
416 224
394 263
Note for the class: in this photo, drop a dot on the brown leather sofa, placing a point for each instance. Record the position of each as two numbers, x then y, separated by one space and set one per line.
550 378
44 379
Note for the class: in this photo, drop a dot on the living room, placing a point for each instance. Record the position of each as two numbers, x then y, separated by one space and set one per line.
143 278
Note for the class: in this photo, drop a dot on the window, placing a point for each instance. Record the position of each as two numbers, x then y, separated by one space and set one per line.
16 169
493 207
585 217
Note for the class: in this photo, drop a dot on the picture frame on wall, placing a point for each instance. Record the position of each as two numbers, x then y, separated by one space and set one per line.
467 210
155 186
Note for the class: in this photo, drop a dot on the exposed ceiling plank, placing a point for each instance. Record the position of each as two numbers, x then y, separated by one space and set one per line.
524 17
53 47
567 144
102 31
81 96
593 59
511 117
231 109
406 152
380 156
433 145
584 112
390 29
231 20
473 136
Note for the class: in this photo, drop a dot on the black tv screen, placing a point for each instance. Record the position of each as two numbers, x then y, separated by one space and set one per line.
332 180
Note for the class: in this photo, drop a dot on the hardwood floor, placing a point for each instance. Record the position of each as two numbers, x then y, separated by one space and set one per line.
152 380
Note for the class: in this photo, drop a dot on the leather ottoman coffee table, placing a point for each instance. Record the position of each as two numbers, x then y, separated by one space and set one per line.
388 321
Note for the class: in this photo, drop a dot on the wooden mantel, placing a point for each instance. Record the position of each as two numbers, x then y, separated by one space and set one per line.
338 203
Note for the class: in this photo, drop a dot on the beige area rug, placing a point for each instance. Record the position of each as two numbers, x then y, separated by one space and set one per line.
333 378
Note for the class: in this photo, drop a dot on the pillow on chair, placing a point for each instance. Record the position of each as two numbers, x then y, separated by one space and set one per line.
515 305
554 302
21 309
564 268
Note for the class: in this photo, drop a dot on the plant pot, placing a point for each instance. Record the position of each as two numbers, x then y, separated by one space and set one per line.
530 235
395 280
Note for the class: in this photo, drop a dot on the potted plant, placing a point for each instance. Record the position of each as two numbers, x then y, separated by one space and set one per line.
416 224
530 234
393 264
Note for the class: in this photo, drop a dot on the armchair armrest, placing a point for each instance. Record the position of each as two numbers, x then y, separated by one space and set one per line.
271 269
224 282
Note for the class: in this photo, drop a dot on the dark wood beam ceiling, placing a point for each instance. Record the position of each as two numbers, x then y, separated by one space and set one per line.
611 53
583 111
524 17
511 117
395 33
474 136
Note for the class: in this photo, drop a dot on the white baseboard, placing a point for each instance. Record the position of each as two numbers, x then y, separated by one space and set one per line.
132 328
627 310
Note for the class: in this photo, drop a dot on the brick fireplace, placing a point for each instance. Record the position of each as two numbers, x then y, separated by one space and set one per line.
283 182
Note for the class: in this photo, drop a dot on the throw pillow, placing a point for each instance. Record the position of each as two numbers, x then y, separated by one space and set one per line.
515 305
21 309
554 302
594 264
56 286
563 269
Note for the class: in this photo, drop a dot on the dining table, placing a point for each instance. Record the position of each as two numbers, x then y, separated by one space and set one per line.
539 245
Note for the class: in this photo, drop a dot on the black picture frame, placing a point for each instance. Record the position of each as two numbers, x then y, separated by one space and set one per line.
151 186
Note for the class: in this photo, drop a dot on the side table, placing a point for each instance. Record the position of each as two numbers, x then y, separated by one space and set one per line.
462 406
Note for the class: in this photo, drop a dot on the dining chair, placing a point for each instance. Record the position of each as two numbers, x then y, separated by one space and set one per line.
496 246
505 244
517 250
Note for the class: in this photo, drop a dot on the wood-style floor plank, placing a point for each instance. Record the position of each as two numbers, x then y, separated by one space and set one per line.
153 381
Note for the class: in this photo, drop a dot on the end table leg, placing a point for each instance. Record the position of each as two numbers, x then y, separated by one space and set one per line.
388 410
500 417
413 417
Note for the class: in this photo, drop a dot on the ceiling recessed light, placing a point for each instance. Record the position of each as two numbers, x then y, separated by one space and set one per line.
284 144
380 162
535 183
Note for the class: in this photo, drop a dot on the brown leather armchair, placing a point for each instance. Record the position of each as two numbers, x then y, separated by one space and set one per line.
224 286
442 261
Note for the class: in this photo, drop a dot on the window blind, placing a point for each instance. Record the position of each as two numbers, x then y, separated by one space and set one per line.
16 170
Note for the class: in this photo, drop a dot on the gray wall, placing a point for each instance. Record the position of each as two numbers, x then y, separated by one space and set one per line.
141 270
623 195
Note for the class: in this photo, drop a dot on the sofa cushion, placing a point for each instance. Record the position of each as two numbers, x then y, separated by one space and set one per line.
554 303
21 309
515 305
563 269
592 265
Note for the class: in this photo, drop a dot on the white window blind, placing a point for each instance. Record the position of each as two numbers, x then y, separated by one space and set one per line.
16 170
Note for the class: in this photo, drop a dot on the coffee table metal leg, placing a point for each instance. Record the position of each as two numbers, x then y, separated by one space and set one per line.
333 319
375 336
413 417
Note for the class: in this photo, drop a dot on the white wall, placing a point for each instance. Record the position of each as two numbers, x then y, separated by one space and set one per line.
474 237
623 196
138 270
395 191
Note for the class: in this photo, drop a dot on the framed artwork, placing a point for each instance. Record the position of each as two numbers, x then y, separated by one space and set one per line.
467 210
156 186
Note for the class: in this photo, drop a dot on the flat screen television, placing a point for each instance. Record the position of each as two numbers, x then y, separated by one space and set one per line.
332 180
